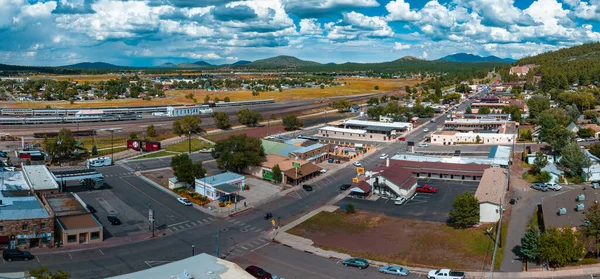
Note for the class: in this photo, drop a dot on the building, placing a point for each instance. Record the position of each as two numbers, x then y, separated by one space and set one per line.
476 124
393 181
223 184
74 224
573 128
362 190
40 180
498 156
306 170
505 117
13 184
24 221
187 110
554 171
363 124
520 71
89 113
174 183
298 148
454 137
202 266
490 194
567 209
351 134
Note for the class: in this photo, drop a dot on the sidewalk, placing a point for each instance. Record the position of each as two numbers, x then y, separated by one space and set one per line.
111 242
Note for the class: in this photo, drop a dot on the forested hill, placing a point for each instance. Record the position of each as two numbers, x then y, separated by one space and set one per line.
567 66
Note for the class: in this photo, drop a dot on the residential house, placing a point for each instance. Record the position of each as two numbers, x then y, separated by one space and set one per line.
554 171
573 128
223 184
490 194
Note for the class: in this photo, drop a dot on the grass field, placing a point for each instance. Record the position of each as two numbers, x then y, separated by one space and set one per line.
400 241
184 146
353 86
120 139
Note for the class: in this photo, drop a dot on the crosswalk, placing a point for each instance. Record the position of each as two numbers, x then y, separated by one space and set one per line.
245 247
118 174
241 226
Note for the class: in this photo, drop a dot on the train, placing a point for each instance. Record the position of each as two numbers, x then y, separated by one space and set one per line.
66 119
243 103
80 133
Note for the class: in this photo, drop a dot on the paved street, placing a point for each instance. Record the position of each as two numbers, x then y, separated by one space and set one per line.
158 163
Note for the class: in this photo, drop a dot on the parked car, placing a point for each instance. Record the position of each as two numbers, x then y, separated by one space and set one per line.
258 272
399 200
356 262
345 186
445 274
3 154
513 201
9 168
426 130
426 189
322 170
383 156
554 186
330 160
184 201
579 139
595 184
402 139
307 187
113 220
357 163
432 121
394 270
15 254
423 145
91 208
540 186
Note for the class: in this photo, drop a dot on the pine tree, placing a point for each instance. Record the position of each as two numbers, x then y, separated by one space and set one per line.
529 243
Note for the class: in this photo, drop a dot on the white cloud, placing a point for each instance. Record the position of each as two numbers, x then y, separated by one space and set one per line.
231 58
587 11
207 56
399 10
315 8
425 55
401 46
498 13
310 26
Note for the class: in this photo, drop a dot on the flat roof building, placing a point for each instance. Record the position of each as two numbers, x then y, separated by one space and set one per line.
74 224
222 184
496 157
25 222
567 209
40 179
14 183
361 124
454 137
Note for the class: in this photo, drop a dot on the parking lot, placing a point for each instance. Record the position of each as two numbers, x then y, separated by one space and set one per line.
421 206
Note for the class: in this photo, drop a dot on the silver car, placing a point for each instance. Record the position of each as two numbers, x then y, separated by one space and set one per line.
394 270
540 186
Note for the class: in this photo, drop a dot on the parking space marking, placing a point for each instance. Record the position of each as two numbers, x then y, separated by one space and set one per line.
205 221
70 256
244 247
258 230
174 228
101 252
177 224
230 220
237 222
246 227
38 259
181 227
188 225
193 224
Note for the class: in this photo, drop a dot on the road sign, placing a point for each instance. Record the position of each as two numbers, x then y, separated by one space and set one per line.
296 165
150 215
273 222
355 180
360 170
228 205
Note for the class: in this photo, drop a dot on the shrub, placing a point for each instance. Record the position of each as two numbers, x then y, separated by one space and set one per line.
350 209
247 187
221 204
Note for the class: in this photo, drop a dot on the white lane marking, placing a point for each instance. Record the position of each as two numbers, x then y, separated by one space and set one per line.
176 224
70 256
101 252
260 247
243 247
193 224
204 221
237 222
188 225
38 259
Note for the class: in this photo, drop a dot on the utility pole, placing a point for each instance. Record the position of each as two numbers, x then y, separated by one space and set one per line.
193 250
112 150
189 141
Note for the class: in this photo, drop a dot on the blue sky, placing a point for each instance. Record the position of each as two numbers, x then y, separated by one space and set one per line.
153 32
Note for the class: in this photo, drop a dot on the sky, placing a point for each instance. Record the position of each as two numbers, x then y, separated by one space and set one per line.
153 32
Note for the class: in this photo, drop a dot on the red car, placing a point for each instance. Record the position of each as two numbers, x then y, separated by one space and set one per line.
258 272
426 189
401 139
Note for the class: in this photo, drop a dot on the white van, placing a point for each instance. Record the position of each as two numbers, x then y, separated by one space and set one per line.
99 162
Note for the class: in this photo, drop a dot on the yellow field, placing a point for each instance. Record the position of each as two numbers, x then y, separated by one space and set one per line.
353 86
80 78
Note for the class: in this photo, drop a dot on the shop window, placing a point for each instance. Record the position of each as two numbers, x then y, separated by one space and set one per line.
95 235
22 242
46 240
1 228
42 226
24 227
72 238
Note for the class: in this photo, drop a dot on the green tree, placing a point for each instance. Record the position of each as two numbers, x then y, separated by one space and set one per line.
384 99
227 100
468 110
216 100
28 162
151 131
560 247
45 273
514 111
537 104
277 174
373 101
558 138
248 117
586 133
61 145
592 224
484 110
94 150
529 243
185 170
465 211
541 160
376 87
221 120
595 149
350 209
477 139
206 99
574 158
462 88
238 152
590 114
341 105
133 135
291 122
543 176
187 124
573 112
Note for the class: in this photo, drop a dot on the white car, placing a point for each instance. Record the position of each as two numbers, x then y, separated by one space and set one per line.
184 201
554 186
9 168
383 156
579 140
323 171
357 163
399 200
426 130
423 145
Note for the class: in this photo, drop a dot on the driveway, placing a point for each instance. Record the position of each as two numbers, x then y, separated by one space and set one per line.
421 206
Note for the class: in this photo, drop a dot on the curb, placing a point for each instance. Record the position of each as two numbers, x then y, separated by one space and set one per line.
240 212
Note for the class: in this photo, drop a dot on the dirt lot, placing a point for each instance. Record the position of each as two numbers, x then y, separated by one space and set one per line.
257 132
401 241
161 176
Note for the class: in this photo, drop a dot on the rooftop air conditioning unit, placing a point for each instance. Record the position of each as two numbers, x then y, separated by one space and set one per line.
581 197
580 207
562 211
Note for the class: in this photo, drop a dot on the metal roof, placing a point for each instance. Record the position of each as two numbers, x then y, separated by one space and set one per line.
16 208
12 181
397 125
344 130
39 177
221 178
309 148
227 188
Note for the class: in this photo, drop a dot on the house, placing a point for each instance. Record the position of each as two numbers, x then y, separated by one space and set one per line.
174 183
306 170
554 171
567 209
490 193
223 184
354 108
362 189
573 128
393 181
202 266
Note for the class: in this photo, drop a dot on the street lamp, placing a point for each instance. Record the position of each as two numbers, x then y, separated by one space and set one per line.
189 141
193 250
112 135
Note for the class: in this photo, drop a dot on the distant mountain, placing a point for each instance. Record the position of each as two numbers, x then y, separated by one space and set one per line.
282 61
167 65
241 63
330 63
407 59
470 58
92 65
202 64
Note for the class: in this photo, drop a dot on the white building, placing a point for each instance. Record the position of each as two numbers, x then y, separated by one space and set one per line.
89 113
223 184
355 134
490 194
454 137
361 124
183 111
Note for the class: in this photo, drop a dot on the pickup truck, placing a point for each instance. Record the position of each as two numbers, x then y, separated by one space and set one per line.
445 274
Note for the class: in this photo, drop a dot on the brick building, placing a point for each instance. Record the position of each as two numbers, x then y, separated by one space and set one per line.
25 222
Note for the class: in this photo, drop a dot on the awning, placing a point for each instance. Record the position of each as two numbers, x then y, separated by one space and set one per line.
226 188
